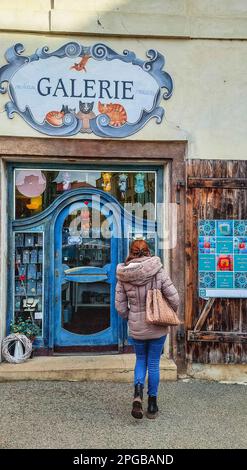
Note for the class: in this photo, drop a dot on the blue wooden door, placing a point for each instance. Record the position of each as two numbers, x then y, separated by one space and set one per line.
87 250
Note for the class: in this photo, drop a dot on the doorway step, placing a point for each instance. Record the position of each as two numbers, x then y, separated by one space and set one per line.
115 368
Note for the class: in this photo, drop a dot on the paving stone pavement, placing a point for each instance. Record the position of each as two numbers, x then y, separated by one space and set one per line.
83 415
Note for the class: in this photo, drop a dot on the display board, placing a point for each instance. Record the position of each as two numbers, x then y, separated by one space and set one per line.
222 258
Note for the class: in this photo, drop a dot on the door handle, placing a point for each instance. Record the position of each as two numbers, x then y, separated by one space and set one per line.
56 273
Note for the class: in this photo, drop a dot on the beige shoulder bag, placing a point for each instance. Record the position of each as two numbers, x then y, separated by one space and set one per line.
158 310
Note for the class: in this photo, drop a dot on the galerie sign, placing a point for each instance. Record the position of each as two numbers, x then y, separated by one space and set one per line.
222 248
85 89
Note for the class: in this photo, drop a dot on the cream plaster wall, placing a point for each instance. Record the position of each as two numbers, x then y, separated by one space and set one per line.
208 106
167 18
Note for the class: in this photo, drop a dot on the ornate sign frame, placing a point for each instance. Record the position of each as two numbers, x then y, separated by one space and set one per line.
112 120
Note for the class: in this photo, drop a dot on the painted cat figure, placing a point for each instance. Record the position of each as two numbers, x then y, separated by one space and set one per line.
81 66
85 115
116 113
65 109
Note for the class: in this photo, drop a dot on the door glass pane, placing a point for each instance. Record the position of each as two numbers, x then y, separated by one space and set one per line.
85 307
36 189
28 298
83 243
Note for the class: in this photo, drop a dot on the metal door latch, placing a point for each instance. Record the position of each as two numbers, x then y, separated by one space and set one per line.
180 184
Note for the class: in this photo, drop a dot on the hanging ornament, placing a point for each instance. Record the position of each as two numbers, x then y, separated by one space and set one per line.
63 180
66 181
35 204
30 183
106 181
139 183
122 183
70 180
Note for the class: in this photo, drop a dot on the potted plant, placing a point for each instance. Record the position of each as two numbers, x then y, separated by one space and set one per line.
25 327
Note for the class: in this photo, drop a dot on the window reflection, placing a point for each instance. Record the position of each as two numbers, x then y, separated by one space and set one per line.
35 190
82 243
85 307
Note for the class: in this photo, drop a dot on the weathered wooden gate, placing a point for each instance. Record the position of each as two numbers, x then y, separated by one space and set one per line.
216 330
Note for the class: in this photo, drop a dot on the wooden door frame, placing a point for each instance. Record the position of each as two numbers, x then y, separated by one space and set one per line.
171 154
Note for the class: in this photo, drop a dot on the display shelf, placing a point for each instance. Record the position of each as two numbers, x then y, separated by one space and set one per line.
28 275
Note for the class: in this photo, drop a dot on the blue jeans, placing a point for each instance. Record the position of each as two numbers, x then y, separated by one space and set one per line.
148 352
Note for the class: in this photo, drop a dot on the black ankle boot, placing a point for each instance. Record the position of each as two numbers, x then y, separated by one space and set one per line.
152 410
137 411
138 391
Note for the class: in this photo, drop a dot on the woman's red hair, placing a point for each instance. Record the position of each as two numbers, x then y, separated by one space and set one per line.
138 249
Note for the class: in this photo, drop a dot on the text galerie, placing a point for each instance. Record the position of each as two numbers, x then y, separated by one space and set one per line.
86 88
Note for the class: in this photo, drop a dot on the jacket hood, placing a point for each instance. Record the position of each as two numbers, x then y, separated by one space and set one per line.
139 271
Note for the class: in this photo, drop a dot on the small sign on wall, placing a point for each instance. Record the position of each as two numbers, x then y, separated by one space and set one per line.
222 258
87 89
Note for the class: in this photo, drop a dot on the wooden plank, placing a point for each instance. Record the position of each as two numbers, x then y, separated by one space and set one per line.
217 352
201 320
197 194
228 169
217 336
233 183
188 257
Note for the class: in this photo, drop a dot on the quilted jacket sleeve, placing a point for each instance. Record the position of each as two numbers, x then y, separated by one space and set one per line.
121 301
169 290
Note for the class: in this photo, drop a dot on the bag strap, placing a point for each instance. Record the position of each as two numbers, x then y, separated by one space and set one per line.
154 282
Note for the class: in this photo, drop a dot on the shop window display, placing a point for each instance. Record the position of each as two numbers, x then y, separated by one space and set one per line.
84 306
28 288
35 190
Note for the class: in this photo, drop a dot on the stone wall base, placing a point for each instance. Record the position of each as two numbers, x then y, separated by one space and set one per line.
232 373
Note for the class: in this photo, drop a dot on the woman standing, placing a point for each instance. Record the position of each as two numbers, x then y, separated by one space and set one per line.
134 279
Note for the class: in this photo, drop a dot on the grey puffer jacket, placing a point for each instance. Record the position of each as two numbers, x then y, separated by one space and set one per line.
134 279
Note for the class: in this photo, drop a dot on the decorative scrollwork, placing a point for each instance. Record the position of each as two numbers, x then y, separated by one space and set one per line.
69 119
99 51
73 49
103 120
